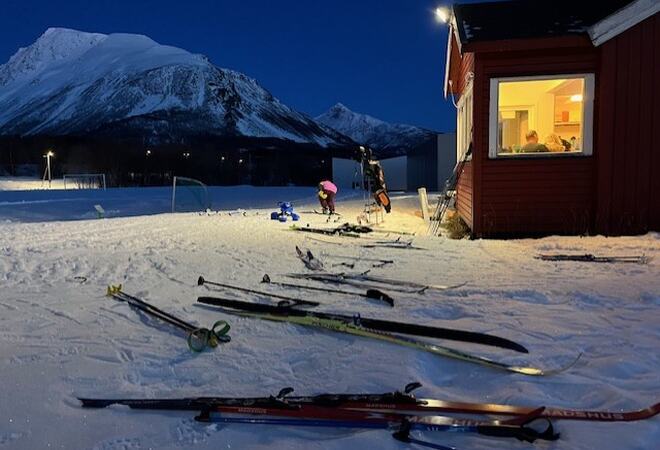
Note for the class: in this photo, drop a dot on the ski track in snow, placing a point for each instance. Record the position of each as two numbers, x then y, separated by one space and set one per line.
60 336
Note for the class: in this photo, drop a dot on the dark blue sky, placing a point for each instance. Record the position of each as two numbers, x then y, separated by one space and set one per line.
381 57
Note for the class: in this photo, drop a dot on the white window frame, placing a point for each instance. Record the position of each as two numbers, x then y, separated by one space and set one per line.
587 116
464 121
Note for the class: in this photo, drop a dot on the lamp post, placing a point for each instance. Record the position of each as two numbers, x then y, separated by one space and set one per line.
47 172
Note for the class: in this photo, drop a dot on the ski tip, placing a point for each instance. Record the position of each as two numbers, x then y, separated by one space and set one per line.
284 392
412 387
519 348
561 369
200 281
380 295
94 403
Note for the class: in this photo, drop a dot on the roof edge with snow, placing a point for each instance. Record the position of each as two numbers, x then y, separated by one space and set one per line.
622 20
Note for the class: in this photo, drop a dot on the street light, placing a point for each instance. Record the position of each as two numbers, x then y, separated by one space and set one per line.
148 152
48 155
442 14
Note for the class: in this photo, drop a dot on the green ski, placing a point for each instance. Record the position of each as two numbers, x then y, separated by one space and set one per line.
305 318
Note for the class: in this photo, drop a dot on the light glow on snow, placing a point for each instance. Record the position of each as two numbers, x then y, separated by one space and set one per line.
57 322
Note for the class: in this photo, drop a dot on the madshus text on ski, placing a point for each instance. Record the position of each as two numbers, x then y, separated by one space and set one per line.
398 412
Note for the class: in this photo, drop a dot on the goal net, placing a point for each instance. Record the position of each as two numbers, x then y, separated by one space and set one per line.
84 181
189 195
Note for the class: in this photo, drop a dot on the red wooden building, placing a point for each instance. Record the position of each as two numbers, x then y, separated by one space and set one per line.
558 106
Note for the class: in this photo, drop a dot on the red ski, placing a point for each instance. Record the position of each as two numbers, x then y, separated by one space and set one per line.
431 406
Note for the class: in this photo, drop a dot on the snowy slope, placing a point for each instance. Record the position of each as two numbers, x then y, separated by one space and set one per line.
384 137
70 82
61 337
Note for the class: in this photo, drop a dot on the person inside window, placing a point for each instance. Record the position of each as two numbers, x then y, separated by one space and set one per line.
532 145
554 143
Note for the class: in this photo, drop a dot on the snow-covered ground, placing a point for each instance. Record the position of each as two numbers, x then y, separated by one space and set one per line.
28 184
40 205
61 337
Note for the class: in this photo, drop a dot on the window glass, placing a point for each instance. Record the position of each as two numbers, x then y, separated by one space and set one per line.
540 116
464 125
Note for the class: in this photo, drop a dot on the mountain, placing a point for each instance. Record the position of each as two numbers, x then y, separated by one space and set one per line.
80 84
385 138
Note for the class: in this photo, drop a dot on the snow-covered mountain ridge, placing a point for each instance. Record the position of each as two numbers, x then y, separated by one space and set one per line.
75 83
387 138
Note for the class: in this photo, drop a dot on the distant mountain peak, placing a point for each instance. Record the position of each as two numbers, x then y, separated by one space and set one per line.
71 82
340 107
386 138
54 45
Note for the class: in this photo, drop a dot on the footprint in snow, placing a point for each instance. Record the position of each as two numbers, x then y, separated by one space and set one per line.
118 444
10 438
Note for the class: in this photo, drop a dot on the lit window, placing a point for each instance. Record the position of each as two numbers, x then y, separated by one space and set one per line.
541 115
464 123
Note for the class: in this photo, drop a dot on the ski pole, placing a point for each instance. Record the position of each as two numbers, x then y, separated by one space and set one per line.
286 301
373 294
198 337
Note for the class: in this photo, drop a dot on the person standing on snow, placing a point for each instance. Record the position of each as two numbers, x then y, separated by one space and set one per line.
327 194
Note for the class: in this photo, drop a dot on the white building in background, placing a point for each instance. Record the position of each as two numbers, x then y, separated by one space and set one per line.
426 166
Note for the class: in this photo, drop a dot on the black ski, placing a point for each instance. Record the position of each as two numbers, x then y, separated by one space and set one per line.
373 294
309 260
397 402
326 214
397 244
370 324
596 259
378 262
325 231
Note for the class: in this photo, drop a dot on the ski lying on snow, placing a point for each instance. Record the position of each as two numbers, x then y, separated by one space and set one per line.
401 426
597 259
396 402
314 211
325 231
398 245
381 262
355 279
370 324
309 260
354 326
278 411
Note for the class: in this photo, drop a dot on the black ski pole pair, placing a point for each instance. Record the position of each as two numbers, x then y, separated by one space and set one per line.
198 337
285 301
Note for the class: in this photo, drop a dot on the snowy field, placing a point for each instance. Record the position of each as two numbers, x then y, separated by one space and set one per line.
28 184
61 337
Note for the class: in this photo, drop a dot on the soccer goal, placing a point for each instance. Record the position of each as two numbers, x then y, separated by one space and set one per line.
84 181
189 195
